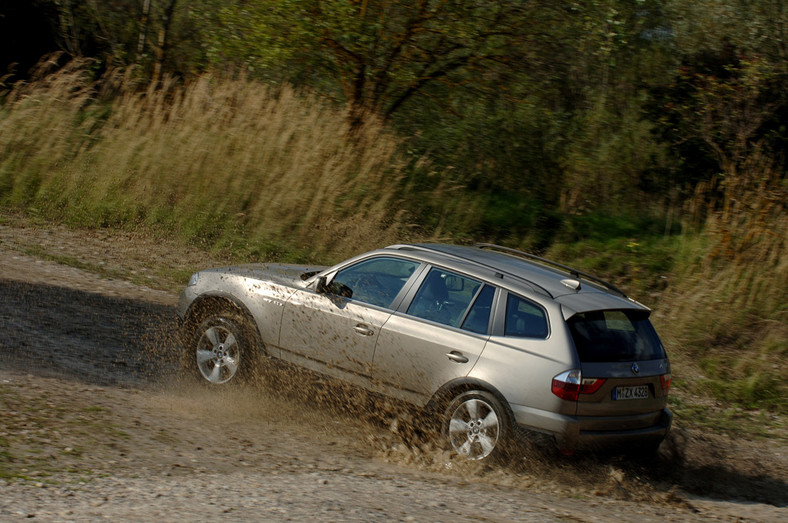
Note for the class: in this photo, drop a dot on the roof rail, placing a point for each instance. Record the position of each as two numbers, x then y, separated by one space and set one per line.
422 247
574 272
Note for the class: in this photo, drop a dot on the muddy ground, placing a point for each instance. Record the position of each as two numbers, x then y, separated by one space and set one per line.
99 422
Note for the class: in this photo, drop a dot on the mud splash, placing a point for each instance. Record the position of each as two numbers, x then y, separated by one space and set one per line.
373 426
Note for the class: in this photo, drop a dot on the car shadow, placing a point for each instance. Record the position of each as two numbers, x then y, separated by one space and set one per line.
104 340
702 466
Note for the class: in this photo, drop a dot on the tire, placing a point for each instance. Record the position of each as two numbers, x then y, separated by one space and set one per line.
477 426
223 350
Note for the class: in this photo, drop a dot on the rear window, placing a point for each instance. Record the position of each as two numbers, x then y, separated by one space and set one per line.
614 336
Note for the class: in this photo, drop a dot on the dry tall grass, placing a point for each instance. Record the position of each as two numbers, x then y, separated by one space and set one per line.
728 311
220 161
39 128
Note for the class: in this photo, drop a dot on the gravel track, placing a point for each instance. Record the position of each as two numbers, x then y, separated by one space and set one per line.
98 425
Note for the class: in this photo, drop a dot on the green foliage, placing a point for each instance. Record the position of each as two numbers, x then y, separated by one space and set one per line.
94 28
734 421
757 390
601 227
375 55
638 262
712 25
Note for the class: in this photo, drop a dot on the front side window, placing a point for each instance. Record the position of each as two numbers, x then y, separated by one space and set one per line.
524 319
444 297
376 281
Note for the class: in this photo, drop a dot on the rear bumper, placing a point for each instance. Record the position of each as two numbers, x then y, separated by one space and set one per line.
594 432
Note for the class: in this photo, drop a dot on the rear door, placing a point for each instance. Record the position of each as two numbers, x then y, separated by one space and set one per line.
439 337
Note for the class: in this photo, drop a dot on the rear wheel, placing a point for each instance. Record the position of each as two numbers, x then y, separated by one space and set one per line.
223 350
477 426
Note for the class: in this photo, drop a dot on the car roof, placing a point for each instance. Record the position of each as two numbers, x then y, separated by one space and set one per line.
523 271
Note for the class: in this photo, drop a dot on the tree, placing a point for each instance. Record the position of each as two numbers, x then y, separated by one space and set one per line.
380 53
94 28
115 32
164 40
728 95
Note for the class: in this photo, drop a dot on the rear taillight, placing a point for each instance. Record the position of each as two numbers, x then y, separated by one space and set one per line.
664 381
570 384
567 385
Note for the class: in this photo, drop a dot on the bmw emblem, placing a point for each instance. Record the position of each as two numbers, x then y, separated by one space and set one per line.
635 368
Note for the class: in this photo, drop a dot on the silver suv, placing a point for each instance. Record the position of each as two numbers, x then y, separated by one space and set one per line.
487 338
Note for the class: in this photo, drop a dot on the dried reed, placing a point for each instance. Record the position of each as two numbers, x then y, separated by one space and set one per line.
728 311
220 161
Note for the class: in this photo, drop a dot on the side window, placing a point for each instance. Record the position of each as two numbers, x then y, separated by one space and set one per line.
478 318
524 319
377 281
444 297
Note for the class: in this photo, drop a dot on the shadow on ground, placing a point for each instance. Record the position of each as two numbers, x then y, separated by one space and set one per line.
99 339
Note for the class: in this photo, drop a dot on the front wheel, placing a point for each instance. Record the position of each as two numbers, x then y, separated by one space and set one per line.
224 350
477 426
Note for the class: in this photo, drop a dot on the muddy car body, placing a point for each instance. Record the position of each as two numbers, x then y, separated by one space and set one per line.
486 337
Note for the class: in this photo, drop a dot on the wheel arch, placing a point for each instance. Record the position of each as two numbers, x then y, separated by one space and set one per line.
443 396
204 305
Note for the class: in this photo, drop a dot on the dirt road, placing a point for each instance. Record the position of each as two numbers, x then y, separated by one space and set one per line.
98 424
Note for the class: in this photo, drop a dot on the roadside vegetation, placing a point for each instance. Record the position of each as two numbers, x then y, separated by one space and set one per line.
643 141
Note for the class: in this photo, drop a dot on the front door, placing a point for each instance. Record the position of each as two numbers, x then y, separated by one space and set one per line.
330 332
337 334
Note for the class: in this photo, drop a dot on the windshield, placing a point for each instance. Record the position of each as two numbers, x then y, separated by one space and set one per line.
615 336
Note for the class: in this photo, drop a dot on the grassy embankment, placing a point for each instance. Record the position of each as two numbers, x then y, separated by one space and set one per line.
230 165
271 174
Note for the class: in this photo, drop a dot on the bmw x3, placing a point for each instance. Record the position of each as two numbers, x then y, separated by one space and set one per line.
485 338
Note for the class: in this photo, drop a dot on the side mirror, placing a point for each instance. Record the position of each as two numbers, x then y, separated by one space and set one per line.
340 289
335 288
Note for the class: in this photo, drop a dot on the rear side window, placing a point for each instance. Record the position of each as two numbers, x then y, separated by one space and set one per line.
444 297
478 318
524 319
615 336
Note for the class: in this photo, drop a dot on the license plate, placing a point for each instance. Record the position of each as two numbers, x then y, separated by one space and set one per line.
638 392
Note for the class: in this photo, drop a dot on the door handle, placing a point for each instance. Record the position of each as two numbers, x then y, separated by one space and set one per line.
457 357
363 330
